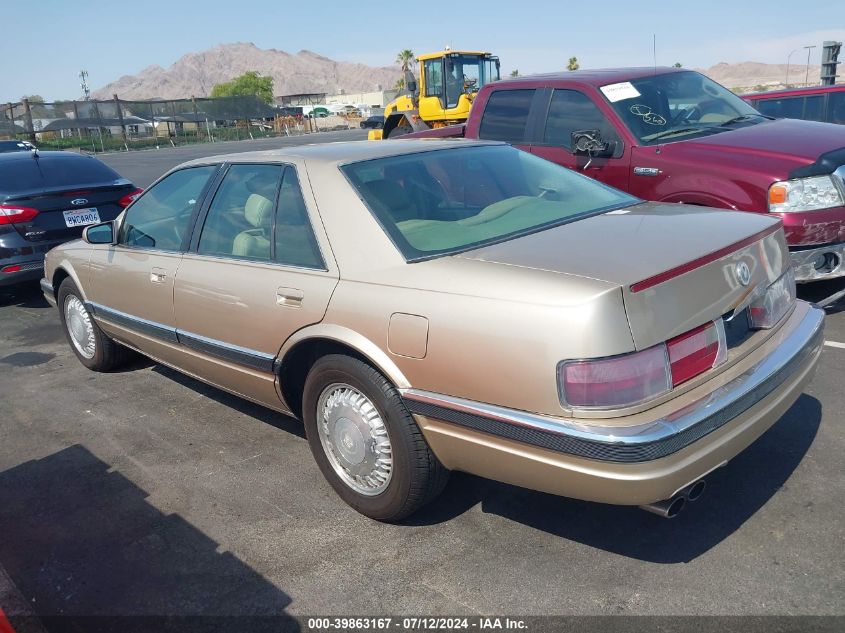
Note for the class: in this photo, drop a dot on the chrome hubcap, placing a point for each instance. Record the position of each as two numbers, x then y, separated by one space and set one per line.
79 326
355 439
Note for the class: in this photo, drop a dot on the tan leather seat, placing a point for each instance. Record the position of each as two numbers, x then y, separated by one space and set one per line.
255 243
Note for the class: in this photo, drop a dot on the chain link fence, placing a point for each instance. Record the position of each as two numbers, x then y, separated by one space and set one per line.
120 125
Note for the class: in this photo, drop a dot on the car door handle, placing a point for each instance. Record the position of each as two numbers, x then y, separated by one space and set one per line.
291 297
158 275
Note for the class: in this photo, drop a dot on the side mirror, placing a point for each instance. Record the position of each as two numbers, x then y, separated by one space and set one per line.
99 233
590 143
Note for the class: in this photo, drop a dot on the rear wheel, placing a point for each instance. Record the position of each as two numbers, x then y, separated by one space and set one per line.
365 441
92 346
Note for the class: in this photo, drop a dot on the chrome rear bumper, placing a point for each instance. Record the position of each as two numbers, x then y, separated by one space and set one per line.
792 349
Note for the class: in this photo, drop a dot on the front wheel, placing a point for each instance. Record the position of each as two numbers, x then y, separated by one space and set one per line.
92 346
365 441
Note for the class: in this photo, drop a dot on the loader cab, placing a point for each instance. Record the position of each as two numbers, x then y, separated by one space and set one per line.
449 80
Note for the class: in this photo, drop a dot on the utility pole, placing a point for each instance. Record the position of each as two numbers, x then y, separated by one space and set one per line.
788 57
807 76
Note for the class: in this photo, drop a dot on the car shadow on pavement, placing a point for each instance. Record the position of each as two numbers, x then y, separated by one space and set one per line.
734 493
268 416
25 295
88 552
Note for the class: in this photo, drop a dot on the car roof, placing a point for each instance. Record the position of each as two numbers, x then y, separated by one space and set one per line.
592 77
342 152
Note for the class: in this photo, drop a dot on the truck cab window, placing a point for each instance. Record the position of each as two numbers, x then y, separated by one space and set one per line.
433 78
506 115
571 110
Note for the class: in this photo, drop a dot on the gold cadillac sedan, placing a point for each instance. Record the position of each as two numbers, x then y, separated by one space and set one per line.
432 306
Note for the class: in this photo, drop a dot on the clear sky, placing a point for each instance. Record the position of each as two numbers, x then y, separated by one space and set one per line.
43 53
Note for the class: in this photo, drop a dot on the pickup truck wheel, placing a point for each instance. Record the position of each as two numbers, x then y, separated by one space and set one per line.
365 441
92 346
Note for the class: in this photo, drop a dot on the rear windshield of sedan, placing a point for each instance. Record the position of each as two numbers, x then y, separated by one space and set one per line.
24 173
451 200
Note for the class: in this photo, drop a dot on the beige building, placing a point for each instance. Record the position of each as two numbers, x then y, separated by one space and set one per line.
376 99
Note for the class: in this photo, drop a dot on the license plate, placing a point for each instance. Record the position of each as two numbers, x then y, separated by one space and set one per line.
81 217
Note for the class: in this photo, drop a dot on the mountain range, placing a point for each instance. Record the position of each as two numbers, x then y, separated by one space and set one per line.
195 74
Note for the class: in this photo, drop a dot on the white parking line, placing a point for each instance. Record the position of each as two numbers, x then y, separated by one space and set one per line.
835 344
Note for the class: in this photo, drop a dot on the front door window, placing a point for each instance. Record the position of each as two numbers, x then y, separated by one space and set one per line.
161 218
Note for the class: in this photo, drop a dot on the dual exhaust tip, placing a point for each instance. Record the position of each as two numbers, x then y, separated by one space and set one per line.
670 508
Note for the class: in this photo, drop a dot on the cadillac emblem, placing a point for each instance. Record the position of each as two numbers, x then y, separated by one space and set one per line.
743 273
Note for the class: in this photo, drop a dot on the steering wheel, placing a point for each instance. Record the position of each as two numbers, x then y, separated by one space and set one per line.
684 115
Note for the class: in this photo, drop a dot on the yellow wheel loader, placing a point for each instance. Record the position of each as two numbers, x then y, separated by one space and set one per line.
448 83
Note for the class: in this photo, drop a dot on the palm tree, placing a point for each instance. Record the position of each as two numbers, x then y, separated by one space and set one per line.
515 73
573 64
405 59
677 65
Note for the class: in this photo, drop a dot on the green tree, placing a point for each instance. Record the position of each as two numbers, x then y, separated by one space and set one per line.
405 59
677 65
251 83
515 73
33 98
573 64
400 84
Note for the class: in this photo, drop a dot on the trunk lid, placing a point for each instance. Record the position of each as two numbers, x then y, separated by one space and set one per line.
677 265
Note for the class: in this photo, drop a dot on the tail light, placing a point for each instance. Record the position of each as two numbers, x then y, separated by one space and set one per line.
630 379
697 351
616 382
767 310
14 268
129 198
13 214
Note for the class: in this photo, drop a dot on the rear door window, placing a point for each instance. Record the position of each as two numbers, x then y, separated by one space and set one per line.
505 116
239 223
571 111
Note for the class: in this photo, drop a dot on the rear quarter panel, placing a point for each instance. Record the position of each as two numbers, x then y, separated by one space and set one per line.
495 334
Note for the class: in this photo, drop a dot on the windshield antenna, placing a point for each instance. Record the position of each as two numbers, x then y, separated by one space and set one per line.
654 51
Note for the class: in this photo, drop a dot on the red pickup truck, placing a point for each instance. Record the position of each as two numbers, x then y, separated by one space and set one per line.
674 135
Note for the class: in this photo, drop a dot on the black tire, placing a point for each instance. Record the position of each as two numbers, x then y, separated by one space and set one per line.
108 354
417 476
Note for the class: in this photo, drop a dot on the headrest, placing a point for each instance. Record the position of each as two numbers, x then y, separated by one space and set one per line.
390 194
259 211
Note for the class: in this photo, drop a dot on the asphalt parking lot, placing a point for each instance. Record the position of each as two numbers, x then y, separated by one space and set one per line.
147 492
